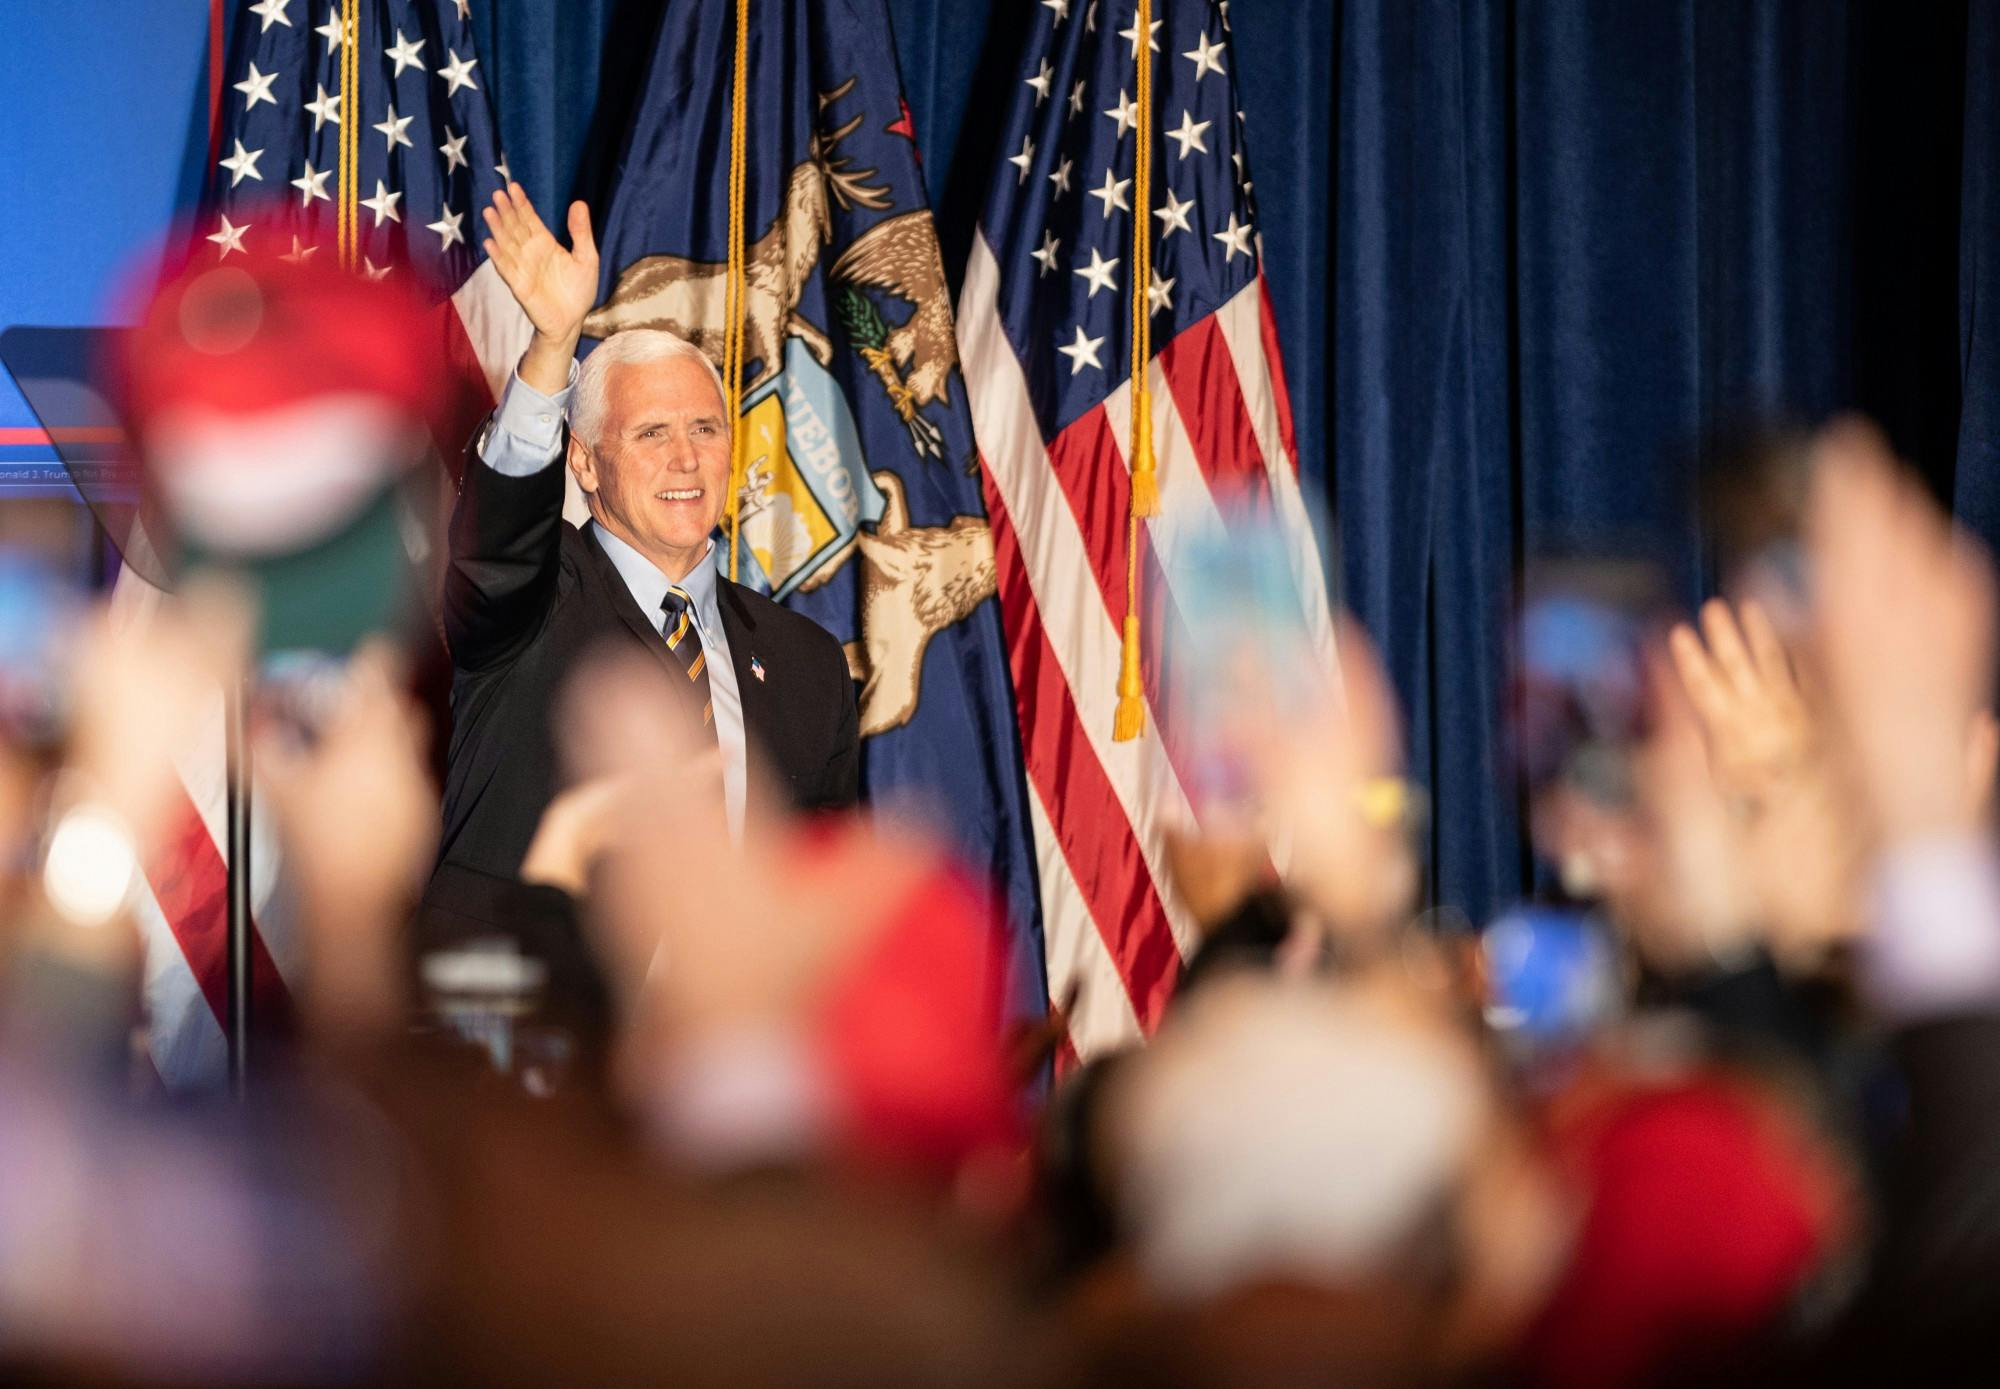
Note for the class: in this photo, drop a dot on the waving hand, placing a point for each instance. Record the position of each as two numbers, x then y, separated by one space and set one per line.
555 287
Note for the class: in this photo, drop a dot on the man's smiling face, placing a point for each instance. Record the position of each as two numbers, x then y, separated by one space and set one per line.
657 474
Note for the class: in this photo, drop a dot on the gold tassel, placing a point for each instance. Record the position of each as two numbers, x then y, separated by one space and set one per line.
1144 499
1145 477
1130 721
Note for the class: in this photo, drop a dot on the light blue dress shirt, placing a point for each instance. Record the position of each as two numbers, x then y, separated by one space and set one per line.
523 438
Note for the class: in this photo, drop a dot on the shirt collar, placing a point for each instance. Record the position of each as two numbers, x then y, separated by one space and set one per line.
648 586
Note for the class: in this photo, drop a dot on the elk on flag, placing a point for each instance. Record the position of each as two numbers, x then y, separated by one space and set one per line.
859 503
1046 330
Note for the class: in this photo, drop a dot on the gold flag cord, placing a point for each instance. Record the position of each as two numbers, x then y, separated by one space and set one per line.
732 336
347 214
1129 721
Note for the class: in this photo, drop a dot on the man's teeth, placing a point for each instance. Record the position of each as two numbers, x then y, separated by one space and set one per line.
679 494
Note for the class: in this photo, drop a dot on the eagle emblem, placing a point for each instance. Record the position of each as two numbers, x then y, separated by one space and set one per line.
914 361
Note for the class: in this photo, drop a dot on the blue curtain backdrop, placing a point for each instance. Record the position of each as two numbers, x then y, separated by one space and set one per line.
1523 255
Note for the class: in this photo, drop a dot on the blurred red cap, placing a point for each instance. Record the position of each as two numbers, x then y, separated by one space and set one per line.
273 399
910 1032
1708 1209
259 332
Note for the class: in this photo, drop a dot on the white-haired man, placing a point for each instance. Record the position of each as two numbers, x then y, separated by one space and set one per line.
529 597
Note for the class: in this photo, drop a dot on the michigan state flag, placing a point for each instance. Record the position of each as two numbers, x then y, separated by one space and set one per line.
860 505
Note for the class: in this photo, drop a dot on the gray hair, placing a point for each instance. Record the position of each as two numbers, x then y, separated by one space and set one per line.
588 402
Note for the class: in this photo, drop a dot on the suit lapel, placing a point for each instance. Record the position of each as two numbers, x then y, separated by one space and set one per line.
625 605
741 630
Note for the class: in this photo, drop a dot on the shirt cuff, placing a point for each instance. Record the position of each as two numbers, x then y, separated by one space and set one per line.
1935 947
524 433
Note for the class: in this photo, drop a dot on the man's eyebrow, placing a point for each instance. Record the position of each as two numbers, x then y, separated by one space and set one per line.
642 426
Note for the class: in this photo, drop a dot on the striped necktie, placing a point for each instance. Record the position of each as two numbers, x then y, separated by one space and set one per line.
685 642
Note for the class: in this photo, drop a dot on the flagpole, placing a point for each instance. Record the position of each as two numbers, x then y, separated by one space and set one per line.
236 1013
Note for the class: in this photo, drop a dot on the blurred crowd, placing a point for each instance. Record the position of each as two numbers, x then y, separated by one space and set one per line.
1721 1104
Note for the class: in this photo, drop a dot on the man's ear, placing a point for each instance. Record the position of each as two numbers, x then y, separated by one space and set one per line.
582 465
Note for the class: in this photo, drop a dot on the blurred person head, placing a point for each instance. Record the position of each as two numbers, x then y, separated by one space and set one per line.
1314 1175
1074 1167
649 444
271 400
1262 931
908 1029
1710 1202
280 409
1250 920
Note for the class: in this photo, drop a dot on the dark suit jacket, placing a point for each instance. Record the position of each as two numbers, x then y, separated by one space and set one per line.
527 598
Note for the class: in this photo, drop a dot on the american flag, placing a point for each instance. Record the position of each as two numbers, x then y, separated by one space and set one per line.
426 154
1045 328
401 80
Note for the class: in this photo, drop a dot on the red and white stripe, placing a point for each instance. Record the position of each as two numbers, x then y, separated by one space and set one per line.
1116 933
182 914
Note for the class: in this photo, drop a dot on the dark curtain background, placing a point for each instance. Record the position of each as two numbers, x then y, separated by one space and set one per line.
1524 256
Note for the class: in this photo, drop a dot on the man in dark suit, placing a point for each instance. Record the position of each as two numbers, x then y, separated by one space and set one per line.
528 597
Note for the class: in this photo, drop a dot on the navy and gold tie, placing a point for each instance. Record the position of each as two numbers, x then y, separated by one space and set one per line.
685 642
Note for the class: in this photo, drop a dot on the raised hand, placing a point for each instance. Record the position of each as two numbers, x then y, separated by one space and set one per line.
701 934
1904 611
360 822
1794 828
554 287
1692 900
1759 731
1329 784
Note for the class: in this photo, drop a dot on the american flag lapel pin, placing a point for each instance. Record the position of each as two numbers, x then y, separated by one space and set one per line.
757 668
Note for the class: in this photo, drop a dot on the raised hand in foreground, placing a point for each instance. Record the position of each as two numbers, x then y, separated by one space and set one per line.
1794 831
706 935
1753 715
360 823
1332 796
1903 618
